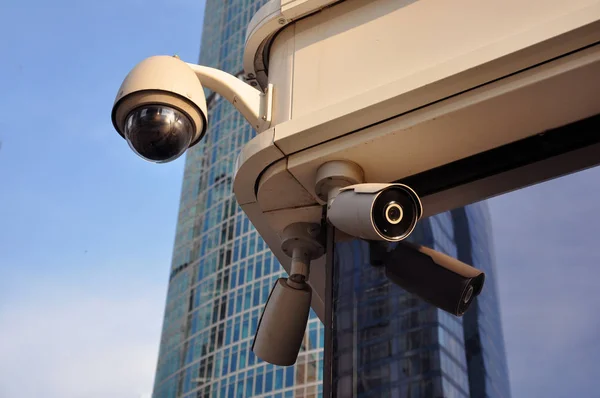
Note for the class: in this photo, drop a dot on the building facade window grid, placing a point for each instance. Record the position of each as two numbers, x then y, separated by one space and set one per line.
222 271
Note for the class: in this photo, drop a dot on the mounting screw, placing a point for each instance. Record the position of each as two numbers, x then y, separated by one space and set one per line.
281 21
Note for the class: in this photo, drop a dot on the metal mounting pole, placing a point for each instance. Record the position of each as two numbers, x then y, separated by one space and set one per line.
328 322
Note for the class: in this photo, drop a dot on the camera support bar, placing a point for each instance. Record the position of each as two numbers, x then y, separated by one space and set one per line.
256 107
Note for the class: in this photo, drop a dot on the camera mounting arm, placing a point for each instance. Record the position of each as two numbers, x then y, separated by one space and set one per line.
255 106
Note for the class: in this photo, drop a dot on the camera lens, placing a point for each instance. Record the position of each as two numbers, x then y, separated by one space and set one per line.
158 133
468 295
393 213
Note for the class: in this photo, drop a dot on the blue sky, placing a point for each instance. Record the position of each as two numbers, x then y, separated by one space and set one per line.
86 228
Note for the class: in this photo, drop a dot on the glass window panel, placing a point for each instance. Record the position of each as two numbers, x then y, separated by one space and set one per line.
269 381
249 385
259 268
258 387
240 389
245 329
251 358
234 359
243 356
289 376
279 379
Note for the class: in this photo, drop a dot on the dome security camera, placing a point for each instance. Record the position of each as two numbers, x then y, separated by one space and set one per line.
160 109
387 212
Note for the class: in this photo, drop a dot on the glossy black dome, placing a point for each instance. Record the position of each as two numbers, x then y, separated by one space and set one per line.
158 133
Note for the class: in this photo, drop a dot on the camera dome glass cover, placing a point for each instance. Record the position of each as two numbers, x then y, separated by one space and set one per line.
158 133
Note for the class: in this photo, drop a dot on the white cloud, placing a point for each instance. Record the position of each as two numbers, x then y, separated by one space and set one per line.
69 342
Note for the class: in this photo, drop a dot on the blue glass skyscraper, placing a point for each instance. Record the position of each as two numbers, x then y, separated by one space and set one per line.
222 273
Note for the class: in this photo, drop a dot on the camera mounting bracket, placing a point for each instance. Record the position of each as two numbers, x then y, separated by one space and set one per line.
256 107
335 175
303 242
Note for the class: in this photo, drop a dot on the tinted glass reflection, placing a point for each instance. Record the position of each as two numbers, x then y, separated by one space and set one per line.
390 343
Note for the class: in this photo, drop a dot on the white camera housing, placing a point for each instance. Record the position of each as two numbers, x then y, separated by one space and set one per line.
280 331
162 80
279 334
386 212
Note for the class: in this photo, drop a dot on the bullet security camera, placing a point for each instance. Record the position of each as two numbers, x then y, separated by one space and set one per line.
441 280
279 333
160 109
386 212
281 328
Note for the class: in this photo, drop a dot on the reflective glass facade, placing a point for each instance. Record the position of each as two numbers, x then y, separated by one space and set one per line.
389 343
488 372
222 272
